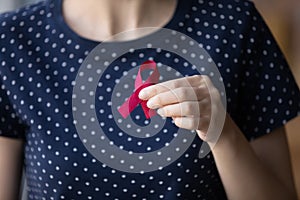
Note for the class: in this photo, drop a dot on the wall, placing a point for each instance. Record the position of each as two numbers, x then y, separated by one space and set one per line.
6 5
283 18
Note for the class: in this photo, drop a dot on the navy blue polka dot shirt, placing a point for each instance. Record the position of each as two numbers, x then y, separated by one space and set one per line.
40 57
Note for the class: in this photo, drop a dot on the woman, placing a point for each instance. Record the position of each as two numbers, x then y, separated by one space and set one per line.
42 47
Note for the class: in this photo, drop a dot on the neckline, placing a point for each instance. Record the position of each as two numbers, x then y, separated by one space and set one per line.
178 15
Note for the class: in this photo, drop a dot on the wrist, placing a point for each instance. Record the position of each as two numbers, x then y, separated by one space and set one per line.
229 138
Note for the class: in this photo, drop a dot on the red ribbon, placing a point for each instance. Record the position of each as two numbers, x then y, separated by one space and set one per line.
133 101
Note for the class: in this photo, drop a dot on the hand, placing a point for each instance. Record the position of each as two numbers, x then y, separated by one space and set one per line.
190 101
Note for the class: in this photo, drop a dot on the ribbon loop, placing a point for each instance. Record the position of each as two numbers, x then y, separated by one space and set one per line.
133 101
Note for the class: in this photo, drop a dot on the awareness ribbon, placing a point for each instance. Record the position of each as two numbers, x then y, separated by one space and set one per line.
133 101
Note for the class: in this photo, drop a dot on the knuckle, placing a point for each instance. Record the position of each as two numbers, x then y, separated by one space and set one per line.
182 93
199 92
194 94
174 84
208 92
167 111
207 81
197 79
205 78
177 122
158 100
206 105
155 89
188 108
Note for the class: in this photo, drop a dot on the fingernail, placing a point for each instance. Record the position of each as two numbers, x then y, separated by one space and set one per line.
161 112
143 94
151 104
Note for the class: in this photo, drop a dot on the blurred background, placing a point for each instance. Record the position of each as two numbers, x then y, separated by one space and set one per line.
283 18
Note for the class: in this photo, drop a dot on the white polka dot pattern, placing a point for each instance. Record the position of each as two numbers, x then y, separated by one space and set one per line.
39 59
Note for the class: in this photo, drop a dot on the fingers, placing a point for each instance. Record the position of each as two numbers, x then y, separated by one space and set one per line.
178 95
190 101
192 123
192 81
186 109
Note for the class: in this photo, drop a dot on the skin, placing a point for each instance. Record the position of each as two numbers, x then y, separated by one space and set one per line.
262 165
249 170
113 17
11 154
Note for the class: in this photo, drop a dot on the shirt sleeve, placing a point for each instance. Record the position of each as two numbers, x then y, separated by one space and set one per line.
10 124
268 93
